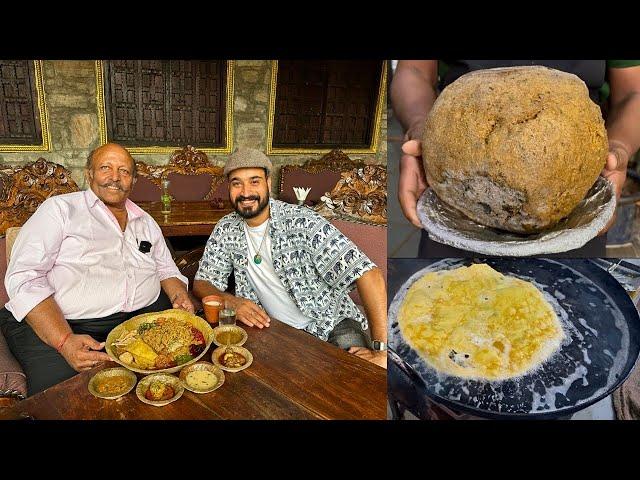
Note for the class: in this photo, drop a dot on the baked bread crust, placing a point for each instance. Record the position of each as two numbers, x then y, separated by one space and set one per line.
514 148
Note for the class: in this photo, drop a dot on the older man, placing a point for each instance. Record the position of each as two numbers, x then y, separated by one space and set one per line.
82 264
291 264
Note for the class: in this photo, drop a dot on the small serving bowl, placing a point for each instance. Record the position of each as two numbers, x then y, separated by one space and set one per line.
202 366
218 352
174 381
222 331
108 373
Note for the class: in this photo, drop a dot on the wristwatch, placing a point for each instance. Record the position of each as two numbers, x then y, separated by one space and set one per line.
378 345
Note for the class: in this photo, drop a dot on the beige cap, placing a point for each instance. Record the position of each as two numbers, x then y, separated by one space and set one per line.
247 158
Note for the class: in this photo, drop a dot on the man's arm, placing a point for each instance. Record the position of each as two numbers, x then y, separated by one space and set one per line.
80 351
246 311
176 290
413 91
372 290
340 264
31 295
623 123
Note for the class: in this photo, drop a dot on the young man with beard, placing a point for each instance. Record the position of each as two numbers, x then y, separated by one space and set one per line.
291 264
77 270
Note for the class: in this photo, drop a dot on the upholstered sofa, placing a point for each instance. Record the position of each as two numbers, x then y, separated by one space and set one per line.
191 178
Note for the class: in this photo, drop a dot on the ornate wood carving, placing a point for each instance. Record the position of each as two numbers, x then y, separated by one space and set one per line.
25 188
187 161
335 160
189 262
361 194
152 172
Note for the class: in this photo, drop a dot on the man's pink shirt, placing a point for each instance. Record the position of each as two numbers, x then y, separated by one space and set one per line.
73 248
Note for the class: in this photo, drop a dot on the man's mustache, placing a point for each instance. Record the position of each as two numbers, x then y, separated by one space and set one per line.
240 198
112 184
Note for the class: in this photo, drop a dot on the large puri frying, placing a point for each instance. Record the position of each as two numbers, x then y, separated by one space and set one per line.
601 345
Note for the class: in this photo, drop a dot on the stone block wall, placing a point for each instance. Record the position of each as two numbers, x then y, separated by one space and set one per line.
71 98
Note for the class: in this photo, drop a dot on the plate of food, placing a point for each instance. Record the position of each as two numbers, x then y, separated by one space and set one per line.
202 377
160 341
159 389
229 335
112 383
232 358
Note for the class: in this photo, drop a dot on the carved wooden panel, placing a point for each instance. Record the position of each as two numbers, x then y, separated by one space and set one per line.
26 187
166 102
187 161
189 263
361 194
19 114
335 160
329 103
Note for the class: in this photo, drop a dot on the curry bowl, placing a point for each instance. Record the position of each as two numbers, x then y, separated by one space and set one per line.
159 342
237 358
112 383
202 377
229 335
159 389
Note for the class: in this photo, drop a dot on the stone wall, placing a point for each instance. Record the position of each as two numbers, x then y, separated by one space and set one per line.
70 95
70 90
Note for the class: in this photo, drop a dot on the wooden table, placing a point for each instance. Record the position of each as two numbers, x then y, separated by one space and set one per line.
293 376
186 218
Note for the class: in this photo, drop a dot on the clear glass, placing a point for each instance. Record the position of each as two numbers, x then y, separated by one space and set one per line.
227 316
166 197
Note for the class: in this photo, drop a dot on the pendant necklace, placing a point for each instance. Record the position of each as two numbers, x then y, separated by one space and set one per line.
257 258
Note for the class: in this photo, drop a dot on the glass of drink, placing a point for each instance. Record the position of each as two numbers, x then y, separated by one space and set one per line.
165 198
212 305
228 315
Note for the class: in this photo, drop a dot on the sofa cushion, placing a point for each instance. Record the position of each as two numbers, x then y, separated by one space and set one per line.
145 191
320 183
370 239
220 195
11 375
189 188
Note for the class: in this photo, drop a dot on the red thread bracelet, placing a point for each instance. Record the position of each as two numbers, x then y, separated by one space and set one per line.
62 342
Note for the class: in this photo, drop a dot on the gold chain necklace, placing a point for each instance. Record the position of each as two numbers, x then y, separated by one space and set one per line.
257 258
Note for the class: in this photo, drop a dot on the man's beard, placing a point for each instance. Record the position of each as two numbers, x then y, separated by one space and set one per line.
247 212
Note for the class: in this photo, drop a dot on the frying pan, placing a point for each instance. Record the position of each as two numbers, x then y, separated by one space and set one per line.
601 346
